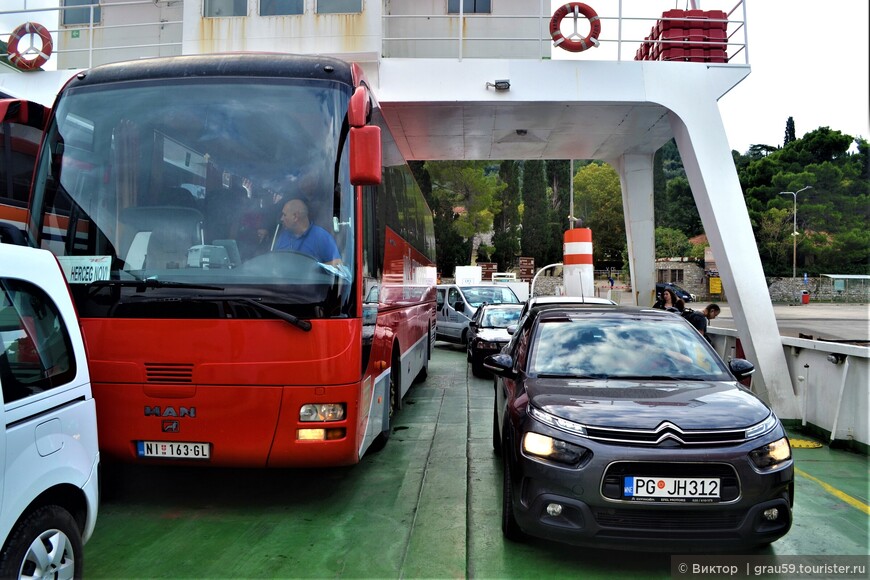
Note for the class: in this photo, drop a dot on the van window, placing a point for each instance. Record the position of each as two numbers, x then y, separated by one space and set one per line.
453 296
36 352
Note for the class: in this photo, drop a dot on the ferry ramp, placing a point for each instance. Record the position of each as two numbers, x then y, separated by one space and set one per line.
427 506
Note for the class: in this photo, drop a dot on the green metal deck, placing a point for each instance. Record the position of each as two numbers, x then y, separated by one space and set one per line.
427 506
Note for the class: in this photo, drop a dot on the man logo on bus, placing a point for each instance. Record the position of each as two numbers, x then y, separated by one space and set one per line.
170 426
170 412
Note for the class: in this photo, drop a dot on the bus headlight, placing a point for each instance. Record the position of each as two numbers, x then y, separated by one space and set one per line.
321 412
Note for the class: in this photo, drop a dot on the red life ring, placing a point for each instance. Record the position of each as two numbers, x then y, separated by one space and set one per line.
574 42
21 58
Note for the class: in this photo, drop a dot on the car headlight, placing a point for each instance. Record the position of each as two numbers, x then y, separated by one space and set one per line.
557 422
321 412
552 449
761 428
487 345
771 454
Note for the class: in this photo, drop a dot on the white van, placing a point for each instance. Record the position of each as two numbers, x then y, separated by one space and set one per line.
457 304
49 453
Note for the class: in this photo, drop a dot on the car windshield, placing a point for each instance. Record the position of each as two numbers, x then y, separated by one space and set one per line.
477 295
623 348
500 317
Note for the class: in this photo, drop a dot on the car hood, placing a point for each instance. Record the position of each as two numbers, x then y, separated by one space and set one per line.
646 404
494 334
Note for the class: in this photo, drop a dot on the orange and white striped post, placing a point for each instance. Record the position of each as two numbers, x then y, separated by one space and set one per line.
578 272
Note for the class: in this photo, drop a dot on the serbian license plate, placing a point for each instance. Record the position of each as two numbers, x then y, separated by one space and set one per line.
672 489
173 449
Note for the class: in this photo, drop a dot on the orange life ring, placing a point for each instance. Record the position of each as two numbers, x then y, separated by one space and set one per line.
574 42
22 58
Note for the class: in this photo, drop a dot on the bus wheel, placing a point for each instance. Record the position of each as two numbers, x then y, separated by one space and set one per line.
424 370
394 393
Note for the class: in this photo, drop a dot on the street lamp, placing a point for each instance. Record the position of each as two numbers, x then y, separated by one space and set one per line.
794 232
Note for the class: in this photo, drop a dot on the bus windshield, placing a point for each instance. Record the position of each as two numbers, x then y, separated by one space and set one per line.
170 198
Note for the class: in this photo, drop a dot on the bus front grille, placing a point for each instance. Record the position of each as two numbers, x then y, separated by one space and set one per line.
168 373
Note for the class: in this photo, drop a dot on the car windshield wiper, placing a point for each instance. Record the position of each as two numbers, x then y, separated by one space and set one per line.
295 321
143 284
648 378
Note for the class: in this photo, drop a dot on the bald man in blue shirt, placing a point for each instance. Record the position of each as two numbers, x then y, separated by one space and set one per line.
300 235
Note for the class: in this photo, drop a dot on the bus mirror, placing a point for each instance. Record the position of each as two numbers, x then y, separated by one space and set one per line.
365 155
357 110
23 112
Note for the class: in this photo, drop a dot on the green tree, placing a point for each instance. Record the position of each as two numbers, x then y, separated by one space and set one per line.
536 237
506 217
677 208
467 185
451 248
773 237
789 132
671 243
598 201
559 180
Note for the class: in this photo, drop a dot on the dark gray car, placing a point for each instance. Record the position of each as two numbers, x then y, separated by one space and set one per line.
622 427
487 333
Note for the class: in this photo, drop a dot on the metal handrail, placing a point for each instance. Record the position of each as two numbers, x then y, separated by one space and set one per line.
532 28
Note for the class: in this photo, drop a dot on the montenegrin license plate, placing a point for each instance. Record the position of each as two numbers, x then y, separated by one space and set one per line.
173 449
672 489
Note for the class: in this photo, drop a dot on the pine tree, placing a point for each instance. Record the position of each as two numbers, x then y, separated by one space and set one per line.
506 217
536 236
789 132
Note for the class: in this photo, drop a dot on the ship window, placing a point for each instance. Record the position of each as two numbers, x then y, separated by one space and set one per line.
224 8
281 7
81 15
338 6
470 6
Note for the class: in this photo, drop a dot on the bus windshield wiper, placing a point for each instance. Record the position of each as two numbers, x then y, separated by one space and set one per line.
143 284
297 322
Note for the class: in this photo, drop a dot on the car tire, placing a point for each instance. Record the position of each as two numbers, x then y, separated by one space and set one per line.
509 526
47 543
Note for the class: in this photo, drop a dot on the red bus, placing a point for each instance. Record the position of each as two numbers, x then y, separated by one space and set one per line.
21 126
160 186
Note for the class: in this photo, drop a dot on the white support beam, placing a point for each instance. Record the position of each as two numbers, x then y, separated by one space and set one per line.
703 145
636 176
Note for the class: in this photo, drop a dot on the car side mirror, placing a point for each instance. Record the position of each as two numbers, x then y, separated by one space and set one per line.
511 329
9 234
741 368
458 306
500 364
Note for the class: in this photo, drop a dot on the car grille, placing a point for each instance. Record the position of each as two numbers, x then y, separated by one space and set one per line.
667 519
666 433
611 486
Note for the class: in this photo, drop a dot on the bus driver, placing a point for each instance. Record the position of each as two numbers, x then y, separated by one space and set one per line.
300 235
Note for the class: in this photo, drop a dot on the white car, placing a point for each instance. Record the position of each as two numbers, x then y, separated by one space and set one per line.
49 455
